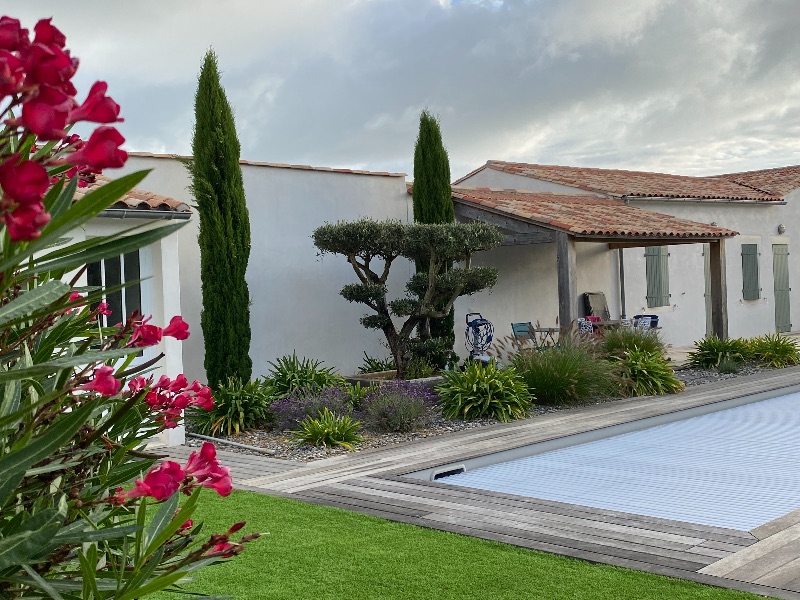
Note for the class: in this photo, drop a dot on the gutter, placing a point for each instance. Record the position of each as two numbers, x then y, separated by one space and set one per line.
628 199
127 213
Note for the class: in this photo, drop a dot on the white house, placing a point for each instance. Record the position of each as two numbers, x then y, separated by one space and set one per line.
295 293
157 265
661 267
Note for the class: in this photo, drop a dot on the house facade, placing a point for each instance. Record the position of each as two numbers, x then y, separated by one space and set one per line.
157 266
295 302
671 280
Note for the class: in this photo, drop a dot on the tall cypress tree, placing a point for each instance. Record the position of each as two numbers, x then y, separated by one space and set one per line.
224 237
433 203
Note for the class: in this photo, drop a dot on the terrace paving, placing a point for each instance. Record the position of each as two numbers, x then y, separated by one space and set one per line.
765 560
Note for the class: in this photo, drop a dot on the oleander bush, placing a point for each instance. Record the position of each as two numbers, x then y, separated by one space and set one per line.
238 407
306 402
711 350
397 406
290 373
775 350
328 429
484 391
87 510
572 373
646 373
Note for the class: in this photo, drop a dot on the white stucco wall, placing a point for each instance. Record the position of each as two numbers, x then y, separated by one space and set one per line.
295 302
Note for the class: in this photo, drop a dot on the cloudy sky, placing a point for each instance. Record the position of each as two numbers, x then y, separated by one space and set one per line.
685 86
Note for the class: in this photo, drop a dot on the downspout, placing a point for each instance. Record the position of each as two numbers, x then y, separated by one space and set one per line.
621 261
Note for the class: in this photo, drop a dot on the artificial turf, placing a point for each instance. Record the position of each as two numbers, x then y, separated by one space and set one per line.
326 553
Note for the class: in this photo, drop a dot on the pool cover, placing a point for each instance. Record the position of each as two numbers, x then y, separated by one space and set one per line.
735 468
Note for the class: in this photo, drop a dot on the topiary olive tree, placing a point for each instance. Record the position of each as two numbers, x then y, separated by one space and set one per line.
371 247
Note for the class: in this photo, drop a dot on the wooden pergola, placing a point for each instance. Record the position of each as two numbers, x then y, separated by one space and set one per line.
520 230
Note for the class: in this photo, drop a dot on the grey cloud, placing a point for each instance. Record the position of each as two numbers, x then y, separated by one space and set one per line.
679 86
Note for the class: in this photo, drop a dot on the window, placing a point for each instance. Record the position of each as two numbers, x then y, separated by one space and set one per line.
113 272
750 286
657 273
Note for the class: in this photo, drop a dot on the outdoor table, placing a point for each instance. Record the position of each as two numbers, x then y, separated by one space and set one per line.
545 336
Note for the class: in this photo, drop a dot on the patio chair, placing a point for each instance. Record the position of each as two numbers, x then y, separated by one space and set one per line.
523 331
595 305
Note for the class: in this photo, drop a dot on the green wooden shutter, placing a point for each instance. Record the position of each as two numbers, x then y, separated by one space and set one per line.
750 286
780 270
657 273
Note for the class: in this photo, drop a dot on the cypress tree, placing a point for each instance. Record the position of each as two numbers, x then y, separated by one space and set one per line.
433 203
224 237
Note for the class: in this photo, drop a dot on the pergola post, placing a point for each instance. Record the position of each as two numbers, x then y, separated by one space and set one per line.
567 280
719 289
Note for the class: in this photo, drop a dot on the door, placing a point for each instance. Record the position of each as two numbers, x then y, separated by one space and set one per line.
780 275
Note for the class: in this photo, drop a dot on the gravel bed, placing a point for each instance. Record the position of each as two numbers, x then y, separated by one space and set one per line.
279 444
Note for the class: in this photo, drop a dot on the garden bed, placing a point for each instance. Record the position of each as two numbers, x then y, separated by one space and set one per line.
279 444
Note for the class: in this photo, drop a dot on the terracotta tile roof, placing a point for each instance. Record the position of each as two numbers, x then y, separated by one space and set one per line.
280 165
618 183
586 215
137 199
778 181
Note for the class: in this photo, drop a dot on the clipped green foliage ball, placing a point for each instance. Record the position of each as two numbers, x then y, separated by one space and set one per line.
484 390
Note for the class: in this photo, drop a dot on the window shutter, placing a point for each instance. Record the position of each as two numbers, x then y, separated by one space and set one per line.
750 285
657 273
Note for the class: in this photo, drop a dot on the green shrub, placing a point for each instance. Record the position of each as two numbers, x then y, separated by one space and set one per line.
237 407
617 341
572 373
289 373
728 366
290 410
711 350
775 350
419 368
483 391
397 405
328 429
646 373
376 365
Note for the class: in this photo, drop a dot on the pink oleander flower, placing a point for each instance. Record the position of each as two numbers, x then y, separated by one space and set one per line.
204 468
170 397
97 108
160 482
73 296
103 382
101 150
177 328
103 309
46 33
23 182
46 113
139 383
26 222
145 335
11 72
12 36
225 549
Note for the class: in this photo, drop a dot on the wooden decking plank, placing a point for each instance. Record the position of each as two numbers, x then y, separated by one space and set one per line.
586 522
601 515
325 500
782 575
564 542
776 525
371 504
583 534
767 562
726 566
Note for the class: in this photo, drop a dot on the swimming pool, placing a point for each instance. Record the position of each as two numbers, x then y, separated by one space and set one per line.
736 468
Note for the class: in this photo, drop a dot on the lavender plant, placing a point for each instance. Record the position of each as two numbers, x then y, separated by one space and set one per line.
397 406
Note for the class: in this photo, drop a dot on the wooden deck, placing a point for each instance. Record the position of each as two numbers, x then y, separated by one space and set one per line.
765 560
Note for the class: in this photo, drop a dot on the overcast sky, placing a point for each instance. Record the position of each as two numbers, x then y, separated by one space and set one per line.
687 86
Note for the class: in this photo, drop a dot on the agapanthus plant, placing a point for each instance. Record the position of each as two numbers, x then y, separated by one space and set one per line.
76 478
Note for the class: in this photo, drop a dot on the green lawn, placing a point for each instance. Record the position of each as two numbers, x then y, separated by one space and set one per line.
320 553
